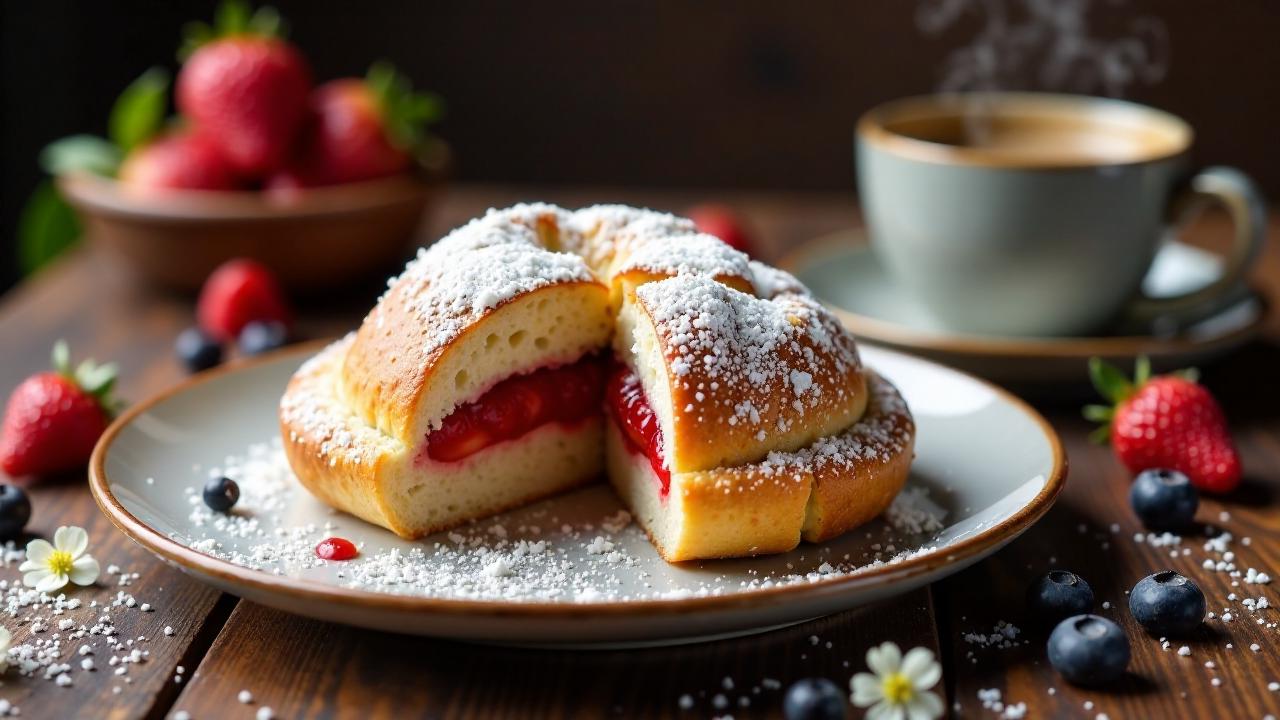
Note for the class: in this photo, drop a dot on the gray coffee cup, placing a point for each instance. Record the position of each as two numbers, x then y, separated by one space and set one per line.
1040 214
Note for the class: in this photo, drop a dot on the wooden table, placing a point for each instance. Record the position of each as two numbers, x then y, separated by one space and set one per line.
305 668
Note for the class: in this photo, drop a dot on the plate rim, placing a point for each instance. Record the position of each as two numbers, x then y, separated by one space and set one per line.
894 335
237 576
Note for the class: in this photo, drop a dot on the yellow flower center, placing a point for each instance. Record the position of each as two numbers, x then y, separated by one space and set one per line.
898 688
60 562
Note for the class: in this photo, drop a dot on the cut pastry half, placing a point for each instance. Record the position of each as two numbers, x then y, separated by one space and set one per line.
536 348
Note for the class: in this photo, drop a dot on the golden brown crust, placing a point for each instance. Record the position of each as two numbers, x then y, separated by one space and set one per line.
858 474
335 456
815 494
784 375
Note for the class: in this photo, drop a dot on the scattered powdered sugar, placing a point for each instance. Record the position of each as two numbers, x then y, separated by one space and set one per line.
586 551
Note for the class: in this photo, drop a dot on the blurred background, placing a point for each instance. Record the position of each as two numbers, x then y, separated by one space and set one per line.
750 93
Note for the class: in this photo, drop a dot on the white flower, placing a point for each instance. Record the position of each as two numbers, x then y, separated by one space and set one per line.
899 687
5 639
49 567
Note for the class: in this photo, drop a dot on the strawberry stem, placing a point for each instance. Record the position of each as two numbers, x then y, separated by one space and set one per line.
1109 381
232 17
405 113
95 380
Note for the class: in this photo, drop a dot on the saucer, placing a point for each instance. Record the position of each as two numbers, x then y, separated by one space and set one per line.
845 274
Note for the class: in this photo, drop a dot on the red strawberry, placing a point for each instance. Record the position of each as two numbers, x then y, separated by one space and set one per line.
1168 421
53 419
360 129
724 223
179 161
245 88
237 293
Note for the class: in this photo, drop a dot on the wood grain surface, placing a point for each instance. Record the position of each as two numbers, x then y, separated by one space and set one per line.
305 668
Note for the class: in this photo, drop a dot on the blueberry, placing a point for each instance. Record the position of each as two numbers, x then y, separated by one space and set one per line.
1058 595
15 510
1167 604
221 493
1088 650
814 699
1164 499
259 337
197 350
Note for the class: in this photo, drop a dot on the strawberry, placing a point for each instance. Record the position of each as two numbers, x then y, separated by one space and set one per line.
177 161
239 292
1168 421
244 87
359 129
722 222
53 419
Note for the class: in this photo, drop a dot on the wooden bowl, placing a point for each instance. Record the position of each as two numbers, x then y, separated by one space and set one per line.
316 239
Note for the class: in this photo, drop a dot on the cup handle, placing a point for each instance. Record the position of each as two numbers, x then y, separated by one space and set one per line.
1236 193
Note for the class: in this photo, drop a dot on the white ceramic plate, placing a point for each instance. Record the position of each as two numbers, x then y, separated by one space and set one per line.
562 571
846 275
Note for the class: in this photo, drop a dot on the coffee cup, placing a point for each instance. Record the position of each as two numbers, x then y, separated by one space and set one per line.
1035 214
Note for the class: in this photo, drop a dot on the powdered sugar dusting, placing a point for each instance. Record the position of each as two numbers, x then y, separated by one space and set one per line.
729 348
580 548
448 291
694 254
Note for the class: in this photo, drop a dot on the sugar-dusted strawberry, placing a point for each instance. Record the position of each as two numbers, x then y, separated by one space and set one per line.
53 419
239 292
177 161
360 129
244 87
724 223
1169 421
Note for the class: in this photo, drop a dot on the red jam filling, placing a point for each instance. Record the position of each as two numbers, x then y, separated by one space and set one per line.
336 548
639 425
566 394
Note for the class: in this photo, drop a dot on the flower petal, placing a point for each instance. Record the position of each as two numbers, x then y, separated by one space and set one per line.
84 571
925 706
879 711
50 582
867 689
886 711
884 659
71 539
5 638
921 668
33 578
38 550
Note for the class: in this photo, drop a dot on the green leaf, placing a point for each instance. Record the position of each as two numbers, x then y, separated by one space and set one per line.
1109 381
139 111
80 153
1141 371
231 17
1099 413
266 21
405 113
47 227
62 357
95 379
1101 436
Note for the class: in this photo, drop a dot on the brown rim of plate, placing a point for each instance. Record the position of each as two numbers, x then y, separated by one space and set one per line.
236 575
875 129
881 331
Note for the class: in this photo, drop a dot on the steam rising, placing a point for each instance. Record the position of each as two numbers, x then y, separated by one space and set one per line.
1047 45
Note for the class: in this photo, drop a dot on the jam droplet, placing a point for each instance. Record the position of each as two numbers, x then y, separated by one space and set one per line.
336 548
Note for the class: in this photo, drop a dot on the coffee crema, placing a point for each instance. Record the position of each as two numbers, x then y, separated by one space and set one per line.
1025 130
